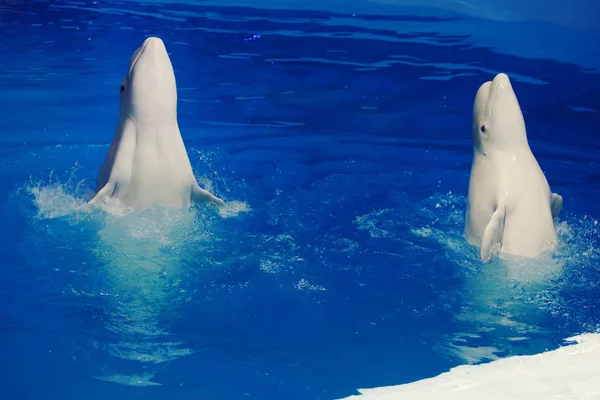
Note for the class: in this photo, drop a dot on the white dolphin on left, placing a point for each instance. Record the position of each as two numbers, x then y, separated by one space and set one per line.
510 204
147 163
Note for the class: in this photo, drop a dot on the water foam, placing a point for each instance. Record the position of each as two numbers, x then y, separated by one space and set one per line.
130 380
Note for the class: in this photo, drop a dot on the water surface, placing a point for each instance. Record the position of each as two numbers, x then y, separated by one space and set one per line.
342 137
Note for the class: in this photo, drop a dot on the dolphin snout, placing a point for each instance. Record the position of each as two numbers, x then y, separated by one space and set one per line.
153 45
501 81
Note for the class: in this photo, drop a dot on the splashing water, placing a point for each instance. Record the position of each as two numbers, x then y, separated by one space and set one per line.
139 259
139 266
512 296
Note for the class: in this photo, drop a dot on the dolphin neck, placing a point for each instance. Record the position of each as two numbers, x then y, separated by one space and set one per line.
150 121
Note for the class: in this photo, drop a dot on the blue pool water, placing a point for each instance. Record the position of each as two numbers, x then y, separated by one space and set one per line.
340 133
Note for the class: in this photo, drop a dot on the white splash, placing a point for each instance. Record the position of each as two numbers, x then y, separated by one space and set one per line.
303 284
233 208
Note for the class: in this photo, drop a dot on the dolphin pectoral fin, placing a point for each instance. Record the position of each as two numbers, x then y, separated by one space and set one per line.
556 204
106 191
202 196
115 172
493 233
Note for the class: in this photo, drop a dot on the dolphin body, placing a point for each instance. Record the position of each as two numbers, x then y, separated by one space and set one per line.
510 204
147 163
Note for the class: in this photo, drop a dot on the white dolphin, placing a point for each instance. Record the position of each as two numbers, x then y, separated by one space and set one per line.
147 163
510 204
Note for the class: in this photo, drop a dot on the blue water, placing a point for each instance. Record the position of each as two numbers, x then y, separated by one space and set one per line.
341 135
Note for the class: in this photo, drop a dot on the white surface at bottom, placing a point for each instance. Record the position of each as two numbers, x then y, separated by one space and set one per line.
570 372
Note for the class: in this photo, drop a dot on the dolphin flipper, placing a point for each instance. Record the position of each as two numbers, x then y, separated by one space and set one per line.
118 162
556 204
201 196
106 191
493 233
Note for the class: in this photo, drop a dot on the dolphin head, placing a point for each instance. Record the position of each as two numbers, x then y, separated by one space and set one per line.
149 90
497 118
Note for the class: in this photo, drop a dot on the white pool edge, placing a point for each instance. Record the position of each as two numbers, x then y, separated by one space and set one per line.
569 372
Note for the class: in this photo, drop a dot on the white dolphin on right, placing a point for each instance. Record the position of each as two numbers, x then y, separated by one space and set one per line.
510 205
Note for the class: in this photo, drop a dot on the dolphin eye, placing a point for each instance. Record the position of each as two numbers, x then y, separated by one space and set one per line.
122 88
482 128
